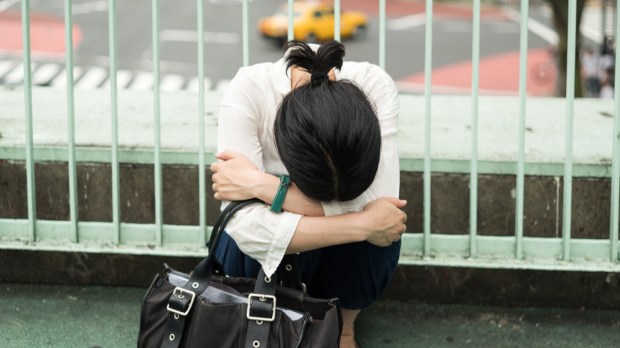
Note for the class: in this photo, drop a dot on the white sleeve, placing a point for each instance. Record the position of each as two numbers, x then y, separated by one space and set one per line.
263 234
382 92
259 233
239 120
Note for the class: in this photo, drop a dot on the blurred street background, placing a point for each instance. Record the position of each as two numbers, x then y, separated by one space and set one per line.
405 28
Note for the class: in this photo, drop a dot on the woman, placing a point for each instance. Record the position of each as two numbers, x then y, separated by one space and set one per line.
332 126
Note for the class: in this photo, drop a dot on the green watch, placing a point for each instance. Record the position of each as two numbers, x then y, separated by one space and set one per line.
278 201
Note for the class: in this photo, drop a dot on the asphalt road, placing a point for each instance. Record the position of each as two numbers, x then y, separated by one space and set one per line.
405 30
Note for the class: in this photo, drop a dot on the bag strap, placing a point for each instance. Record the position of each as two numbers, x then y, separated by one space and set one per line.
261 311
289 273
182 298
205 268
225 215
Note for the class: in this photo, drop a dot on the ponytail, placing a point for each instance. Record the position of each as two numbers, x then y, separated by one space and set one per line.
318 64
327 132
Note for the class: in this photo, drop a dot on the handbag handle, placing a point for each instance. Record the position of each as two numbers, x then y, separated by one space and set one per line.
289 275
204 269
223 219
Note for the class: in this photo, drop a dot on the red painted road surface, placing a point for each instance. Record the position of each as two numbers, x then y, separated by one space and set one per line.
499 75
398 8
47 34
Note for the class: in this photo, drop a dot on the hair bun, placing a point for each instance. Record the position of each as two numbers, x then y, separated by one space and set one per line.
327 57
318 76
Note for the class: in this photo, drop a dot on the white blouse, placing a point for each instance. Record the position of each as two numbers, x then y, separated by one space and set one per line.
245 124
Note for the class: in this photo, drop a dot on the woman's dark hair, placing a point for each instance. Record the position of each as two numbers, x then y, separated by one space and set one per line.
327 132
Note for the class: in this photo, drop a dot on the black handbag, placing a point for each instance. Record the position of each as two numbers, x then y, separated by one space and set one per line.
209 309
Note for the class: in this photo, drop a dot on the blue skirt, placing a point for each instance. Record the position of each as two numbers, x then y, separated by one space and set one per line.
356 273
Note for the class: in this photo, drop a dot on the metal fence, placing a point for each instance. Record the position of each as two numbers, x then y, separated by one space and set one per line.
424 248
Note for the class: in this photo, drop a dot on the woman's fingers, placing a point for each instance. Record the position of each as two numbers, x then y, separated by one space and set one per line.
223 156
399 203
226 155
386 220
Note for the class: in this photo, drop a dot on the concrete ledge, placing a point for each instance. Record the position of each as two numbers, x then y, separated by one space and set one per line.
591 199
451 128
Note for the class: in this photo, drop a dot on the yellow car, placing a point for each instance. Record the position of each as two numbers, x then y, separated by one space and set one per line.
312 22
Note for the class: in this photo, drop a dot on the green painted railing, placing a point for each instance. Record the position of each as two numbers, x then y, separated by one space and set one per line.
425 248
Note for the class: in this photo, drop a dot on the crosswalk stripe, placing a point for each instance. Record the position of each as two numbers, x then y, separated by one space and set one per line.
171 83
5 66
192 85
92 78
142 82
15 76
55 75
61 79
122 79
44 73
592 23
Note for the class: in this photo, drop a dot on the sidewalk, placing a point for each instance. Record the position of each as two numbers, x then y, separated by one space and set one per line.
75 316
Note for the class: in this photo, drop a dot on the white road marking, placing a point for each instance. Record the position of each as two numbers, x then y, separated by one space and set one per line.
122 78
407 22
15 76
192 36
171 82
592 23
533 25
192 85
6 4
45 73
61 79
5 67
89 7
142 82
92 79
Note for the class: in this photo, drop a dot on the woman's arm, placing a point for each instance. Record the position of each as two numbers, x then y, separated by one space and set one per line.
266 236
237 178
381 223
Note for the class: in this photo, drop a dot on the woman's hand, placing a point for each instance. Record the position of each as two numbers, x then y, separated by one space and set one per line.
235 177
384 220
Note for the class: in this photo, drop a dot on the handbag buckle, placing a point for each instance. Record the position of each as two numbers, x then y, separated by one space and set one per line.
262 298
180 293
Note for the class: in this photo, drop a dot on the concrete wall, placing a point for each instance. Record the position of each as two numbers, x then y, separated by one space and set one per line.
449 203
450 214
